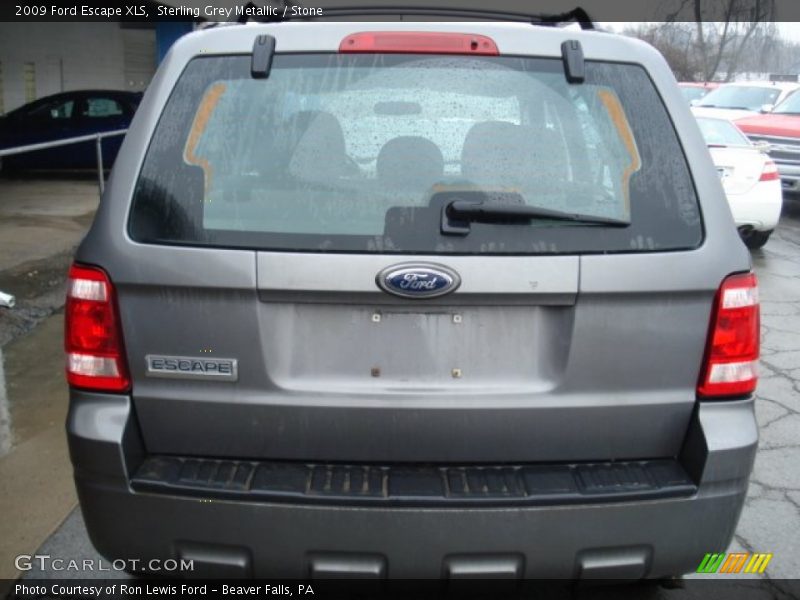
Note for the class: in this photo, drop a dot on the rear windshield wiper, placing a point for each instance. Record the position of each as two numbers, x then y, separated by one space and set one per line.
457 215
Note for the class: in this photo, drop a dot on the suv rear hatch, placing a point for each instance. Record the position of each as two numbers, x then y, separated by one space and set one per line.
266 208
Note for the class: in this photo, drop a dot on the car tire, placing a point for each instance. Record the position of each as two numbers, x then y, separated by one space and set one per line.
756 239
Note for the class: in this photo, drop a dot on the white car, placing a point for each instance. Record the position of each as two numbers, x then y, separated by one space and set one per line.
749 177
738 100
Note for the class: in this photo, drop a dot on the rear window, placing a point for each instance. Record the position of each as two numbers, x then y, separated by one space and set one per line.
693 93
360 153
718 132
741 97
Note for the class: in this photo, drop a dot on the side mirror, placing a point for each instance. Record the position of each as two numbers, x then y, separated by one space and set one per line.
767 108
694 102
762 146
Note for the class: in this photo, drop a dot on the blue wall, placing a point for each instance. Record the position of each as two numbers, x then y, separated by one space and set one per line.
167 32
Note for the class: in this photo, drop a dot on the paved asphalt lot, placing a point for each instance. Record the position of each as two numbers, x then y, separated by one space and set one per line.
771 518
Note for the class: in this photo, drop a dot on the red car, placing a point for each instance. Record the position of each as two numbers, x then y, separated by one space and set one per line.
781 130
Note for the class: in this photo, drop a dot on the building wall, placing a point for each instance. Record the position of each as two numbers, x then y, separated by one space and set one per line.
71 56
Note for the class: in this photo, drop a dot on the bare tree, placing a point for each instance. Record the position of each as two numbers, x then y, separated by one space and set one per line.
674 41
700 49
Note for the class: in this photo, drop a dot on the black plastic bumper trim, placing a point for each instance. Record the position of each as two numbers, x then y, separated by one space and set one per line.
414 485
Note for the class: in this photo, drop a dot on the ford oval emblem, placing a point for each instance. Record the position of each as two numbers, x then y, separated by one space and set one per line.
418 280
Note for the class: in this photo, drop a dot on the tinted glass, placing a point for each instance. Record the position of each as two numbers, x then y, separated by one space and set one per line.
360 153
743 97
48 110
100 108
693 93
790 106
719 132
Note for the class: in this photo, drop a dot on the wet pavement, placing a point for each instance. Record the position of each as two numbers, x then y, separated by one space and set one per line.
36 475
37 498
770 521
41 222
53 212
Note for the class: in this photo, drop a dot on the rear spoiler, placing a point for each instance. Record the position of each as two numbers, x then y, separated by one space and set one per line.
571 50
576 15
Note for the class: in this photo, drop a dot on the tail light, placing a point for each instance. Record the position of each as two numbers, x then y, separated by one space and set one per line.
730 367
770 172
92 334
412 42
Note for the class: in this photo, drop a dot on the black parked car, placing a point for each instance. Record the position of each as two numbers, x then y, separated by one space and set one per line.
65 115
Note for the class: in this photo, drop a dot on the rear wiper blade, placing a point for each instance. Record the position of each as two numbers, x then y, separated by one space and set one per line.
457 215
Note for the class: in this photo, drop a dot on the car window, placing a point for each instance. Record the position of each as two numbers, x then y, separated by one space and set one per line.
693 93
722 133
789 106
359 153
370 118
744 97
102 107
54 110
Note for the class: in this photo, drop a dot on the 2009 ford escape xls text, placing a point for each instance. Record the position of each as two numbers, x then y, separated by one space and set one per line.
413 300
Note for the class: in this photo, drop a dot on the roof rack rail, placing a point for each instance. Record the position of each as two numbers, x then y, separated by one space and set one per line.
576 15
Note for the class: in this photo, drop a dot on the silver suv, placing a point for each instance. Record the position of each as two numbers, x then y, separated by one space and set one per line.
413 300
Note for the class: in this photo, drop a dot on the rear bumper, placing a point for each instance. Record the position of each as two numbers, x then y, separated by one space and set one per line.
760 208
790 175
625 539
